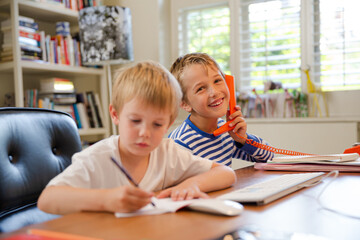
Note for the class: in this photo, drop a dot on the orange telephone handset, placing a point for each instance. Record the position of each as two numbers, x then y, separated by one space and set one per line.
355 149
225 128
232 103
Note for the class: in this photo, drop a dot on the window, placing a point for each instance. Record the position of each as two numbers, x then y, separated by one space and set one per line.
271 40
270 43
337 44
206 30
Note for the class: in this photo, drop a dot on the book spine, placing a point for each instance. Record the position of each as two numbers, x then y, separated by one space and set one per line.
93 111
81 97
42 45
30 48
35 36
66 53
34 25
77 116
100 109
29 42
96 108
84 119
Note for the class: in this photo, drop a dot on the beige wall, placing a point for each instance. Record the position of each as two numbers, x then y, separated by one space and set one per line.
149 23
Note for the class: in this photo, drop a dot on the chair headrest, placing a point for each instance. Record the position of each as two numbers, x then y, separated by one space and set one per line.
35 146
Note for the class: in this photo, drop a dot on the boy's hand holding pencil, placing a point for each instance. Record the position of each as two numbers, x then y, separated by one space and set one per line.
128 176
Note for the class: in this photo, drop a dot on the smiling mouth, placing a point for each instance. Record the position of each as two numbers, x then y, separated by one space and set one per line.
216 103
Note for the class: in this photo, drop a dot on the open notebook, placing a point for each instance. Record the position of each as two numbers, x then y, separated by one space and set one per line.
166 205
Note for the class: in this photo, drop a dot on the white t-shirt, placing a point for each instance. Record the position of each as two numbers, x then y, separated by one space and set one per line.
169 165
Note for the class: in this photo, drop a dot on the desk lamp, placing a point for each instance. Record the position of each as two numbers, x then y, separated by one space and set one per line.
105 38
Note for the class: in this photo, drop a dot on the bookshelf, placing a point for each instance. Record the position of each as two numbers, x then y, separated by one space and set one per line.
18 75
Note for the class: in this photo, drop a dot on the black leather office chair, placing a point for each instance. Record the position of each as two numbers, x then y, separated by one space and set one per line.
35 146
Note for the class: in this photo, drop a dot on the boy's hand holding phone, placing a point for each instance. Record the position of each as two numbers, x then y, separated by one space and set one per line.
239 124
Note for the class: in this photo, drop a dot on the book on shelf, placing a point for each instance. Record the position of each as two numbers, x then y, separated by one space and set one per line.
29 39
99 109
83 117
37 45
65 108
31 98
22 21
56 85
89 106
95 108
82 98
59 98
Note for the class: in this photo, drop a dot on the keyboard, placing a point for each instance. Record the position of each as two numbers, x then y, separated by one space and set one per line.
275 188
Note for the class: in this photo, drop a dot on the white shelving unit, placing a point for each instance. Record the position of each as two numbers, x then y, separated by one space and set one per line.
27 73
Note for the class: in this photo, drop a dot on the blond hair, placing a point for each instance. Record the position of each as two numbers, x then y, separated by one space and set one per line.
180 64
149 81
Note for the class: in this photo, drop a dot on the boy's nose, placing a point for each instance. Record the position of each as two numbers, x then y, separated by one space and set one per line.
212 91
144 131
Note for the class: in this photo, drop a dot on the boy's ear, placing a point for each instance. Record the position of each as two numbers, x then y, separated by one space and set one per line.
113 115
185 106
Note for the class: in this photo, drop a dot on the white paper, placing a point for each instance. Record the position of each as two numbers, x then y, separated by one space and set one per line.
163 205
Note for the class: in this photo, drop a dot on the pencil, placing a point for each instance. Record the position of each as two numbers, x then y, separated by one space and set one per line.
127 175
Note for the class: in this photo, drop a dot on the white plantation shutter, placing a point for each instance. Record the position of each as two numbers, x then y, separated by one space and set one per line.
337 43
269 43
272 39
206 29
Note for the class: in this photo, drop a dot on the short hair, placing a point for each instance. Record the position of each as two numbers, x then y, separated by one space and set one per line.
180 64
150 81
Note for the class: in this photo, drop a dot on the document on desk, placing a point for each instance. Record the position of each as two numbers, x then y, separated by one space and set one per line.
164 205
340 162
327 158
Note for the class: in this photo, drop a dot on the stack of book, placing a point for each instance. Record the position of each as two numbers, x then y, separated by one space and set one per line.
59 94
35 45
29 39
343 162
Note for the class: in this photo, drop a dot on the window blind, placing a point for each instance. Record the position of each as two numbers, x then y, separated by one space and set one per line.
337 44
269 43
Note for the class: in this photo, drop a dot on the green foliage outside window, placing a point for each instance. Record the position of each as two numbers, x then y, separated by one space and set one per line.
208 31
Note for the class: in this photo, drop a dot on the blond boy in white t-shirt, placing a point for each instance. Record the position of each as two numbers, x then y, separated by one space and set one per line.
144 104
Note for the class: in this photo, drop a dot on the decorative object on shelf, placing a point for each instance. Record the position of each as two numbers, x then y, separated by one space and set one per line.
106 37
315 89
105 34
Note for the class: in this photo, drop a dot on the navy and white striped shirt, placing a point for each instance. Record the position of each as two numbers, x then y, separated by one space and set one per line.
221 148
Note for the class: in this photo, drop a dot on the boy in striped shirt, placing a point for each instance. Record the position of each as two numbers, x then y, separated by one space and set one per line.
206 98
